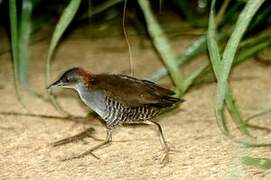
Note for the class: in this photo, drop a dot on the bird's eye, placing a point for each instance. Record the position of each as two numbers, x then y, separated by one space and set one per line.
69 79
65 79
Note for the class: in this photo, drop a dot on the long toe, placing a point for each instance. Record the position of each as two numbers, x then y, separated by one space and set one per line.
81 156
75 138
165 156
62 142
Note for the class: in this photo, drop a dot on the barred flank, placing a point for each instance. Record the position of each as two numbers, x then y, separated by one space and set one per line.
117 113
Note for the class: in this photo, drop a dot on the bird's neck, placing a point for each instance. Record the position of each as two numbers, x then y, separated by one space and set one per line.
93 99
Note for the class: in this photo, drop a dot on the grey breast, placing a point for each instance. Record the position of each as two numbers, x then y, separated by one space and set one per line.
95 100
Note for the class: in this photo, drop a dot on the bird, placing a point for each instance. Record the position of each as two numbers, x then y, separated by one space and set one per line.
119 99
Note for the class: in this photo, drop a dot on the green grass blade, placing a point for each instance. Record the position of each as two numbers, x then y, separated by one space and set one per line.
216 64
196 48
248 48
222 68
232 13
212 43
252 144
261 163
228 56
243 55
235 112
252 50
161 44
24 37
100 8
25 28
254 40
260 18
161 2
65 19
188 82
15 47
242 23
222 10
61 26
14 37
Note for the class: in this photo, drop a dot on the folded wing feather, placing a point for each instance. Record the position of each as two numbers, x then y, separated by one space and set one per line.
133 92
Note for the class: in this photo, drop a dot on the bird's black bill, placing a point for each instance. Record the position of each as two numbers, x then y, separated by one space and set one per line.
56 84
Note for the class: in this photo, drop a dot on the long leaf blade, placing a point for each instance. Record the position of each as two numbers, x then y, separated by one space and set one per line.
216 64
229 53
262 163
15 47
24 37
242 23
196 48
161 44
227 60
65 19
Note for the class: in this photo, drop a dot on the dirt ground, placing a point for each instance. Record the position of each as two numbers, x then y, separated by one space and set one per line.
203 152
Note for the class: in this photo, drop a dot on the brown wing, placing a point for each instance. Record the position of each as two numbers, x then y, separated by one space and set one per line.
133 92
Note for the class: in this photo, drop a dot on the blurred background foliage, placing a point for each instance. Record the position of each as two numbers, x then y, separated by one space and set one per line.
229 31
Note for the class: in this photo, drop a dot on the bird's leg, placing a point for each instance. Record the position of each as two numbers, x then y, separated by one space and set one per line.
107 140
165 157
87 133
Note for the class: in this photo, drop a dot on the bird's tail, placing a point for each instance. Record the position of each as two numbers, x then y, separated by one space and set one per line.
168 101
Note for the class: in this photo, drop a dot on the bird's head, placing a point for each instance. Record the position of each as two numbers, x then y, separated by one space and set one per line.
71 78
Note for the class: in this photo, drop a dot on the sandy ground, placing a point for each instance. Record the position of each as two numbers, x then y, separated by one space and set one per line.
203 152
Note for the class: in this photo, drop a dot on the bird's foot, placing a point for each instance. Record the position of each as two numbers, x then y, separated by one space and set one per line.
165 156
89 152
77 137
